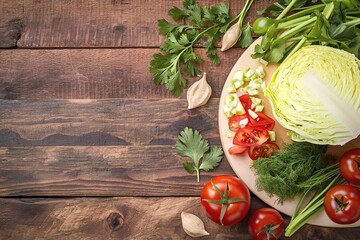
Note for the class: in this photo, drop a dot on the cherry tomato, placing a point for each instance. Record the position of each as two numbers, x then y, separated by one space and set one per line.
266 223
246 101
238 121
250 136
261 25
350 166
262 120
225 199
237 150
264 150
342 204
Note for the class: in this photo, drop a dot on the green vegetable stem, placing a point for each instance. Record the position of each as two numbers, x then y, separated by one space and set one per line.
315 205
327 22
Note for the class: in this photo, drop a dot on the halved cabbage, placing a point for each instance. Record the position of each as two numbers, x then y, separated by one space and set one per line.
316 95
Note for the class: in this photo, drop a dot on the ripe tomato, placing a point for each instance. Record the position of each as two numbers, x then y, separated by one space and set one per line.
342 204
264 150
350 166
237 150
250 136
238 121
225 199
266 223
262 120
246 101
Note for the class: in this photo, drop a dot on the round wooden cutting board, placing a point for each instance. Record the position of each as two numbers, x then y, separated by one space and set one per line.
241 164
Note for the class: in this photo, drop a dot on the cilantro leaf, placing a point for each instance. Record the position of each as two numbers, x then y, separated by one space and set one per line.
211 159
165 27
246 38
191 144
177 14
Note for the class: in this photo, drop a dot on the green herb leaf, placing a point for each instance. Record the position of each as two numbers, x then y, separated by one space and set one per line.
288 172
177 14
211 159
198 23
165 27
191 144
246 38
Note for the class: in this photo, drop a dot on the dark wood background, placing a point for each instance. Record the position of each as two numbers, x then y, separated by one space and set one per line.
87 139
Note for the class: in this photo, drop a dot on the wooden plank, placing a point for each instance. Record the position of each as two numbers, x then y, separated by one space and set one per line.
103 122
93 23
99 171
127 218
94 74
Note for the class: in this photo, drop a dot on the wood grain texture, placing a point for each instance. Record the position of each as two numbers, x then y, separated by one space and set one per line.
126 218
110 23
99 171
94 122
94 74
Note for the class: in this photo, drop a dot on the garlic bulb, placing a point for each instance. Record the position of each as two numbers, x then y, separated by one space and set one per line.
193 225
199 93
231 37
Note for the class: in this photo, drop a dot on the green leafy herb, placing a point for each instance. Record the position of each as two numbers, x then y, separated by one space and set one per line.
286 173
191 144
195 24
328 22
329 175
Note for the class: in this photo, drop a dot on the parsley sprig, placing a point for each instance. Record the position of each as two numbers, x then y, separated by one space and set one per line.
191 144
195 23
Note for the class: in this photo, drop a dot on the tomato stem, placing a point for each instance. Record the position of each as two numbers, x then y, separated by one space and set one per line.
224 200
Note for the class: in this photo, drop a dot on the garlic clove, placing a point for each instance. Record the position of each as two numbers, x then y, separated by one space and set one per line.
192 225
230 37
198 93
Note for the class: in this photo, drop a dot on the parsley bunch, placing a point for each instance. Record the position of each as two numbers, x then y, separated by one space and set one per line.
327 22
191 144
195 23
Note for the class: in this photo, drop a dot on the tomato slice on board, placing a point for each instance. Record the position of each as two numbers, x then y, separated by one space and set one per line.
251 136
246 101
237 150
264 150
238 121
262 120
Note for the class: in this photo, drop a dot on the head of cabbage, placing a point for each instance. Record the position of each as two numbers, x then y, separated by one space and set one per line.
315 94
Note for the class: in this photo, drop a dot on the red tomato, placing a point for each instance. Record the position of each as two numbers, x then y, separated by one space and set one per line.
246 101
238 121
250 136
350 166
342 204
225 199
237 150
264 150
266 223
262 120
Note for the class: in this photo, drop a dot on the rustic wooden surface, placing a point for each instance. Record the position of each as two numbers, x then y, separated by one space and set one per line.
87 139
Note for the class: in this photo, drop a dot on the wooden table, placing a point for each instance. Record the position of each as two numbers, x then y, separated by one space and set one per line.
87 138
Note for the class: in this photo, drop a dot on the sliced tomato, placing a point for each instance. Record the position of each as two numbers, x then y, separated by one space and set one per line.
237 150
246 101
238 121
264 150
251 136
262 120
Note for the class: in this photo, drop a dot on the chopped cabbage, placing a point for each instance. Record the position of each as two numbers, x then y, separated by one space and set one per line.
315 94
